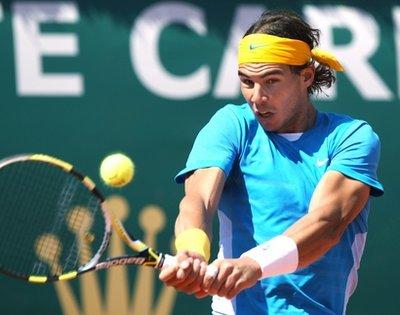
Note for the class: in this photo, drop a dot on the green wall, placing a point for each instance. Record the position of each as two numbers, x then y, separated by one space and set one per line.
128 91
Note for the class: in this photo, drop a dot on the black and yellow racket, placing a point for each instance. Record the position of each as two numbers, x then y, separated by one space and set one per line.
55 225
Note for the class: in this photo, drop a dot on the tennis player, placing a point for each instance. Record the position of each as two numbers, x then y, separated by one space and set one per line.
291 185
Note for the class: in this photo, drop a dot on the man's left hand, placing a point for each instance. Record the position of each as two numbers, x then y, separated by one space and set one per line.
233 276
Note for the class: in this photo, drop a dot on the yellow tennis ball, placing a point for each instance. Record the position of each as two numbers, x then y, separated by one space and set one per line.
117 170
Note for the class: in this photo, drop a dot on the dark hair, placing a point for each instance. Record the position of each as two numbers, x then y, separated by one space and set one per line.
290 25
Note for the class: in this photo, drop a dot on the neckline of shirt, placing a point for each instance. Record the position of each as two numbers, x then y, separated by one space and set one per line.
291 136
300 136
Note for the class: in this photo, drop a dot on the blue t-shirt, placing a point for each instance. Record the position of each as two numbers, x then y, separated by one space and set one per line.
269 184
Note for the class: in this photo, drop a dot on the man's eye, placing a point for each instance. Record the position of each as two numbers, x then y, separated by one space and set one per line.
247 82
271 81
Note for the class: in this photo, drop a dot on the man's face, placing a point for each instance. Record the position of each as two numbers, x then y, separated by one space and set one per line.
277 96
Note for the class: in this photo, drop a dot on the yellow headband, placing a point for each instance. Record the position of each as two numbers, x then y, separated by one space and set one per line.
274 49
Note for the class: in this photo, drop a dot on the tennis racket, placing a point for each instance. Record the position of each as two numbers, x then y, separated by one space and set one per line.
55 225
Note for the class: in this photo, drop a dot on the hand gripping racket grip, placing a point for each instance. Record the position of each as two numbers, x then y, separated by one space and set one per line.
167 261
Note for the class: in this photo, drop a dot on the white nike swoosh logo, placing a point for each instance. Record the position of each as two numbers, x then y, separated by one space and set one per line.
320 163
255 46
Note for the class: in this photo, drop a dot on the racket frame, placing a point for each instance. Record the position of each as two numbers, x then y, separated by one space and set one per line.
146 255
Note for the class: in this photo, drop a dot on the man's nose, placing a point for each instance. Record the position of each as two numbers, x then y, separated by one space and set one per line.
259 98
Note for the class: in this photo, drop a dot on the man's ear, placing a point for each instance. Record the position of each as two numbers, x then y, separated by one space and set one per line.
307 75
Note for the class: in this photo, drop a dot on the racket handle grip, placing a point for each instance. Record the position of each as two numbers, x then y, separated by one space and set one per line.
168 261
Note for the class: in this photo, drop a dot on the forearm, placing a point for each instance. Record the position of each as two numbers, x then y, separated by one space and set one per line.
314 235
336 202
193 226
202 192
303 243
193 214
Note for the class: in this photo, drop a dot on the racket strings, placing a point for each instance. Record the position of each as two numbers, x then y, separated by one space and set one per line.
49 245
67 194
52 236
80 222
14 184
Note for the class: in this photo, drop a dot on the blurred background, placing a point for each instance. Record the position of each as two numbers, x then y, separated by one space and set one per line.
82 79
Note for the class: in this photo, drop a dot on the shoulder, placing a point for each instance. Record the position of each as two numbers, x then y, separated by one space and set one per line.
344 131
228 124
341 127
336 120
240 112
234 117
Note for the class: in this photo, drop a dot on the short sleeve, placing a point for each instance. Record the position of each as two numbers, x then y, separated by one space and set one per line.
356 155
216 145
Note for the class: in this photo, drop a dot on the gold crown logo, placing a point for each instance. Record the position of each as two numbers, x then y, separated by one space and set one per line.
116 299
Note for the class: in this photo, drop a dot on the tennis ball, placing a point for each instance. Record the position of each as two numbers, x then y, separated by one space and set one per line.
117 170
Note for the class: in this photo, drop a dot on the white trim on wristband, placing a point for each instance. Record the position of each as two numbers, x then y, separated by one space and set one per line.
277 256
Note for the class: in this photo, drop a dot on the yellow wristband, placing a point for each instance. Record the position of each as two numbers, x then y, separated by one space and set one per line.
194 240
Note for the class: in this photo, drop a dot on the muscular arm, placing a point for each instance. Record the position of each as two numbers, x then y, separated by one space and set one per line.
336 201
196 210
202 192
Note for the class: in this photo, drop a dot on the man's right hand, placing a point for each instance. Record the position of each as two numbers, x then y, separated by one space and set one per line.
187 275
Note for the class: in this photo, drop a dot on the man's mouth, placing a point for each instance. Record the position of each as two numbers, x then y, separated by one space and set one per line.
265 114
